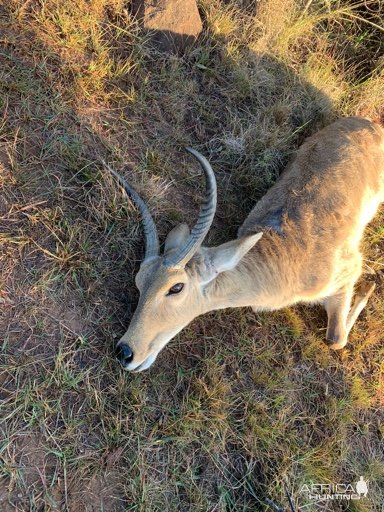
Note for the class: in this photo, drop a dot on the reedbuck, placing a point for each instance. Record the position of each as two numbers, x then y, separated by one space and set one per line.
300 243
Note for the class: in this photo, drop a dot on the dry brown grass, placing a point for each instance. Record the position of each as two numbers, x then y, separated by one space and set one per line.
238 406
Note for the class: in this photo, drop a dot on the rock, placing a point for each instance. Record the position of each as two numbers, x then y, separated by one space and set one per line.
175 24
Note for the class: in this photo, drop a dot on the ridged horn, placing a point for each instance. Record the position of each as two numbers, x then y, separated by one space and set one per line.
152 246
207 213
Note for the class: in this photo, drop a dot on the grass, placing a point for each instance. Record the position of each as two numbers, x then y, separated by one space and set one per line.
238 406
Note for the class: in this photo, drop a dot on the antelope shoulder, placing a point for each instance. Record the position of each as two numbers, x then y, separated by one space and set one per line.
317 211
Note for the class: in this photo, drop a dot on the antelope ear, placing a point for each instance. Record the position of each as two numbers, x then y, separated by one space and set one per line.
177 237
226 256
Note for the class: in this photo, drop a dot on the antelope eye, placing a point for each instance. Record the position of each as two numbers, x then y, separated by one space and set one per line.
176 288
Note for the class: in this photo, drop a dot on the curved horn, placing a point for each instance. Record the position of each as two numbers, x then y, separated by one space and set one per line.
204 221
152 246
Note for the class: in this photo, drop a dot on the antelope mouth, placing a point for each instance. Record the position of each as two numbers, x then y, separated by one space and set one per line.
144 365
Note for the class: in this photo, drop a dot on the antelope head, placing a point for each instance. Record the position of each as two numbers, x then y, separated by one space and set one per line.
175 287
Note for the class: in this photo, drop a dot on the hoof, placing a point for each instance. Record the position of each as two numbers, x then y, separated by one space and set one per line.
336 344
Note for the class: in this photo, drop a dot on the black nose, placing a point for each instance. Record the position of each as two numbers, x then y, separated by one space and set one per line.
124 354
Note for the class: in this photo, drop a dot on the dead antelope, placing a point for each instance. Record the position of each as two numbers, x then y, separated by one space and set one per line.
300 243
